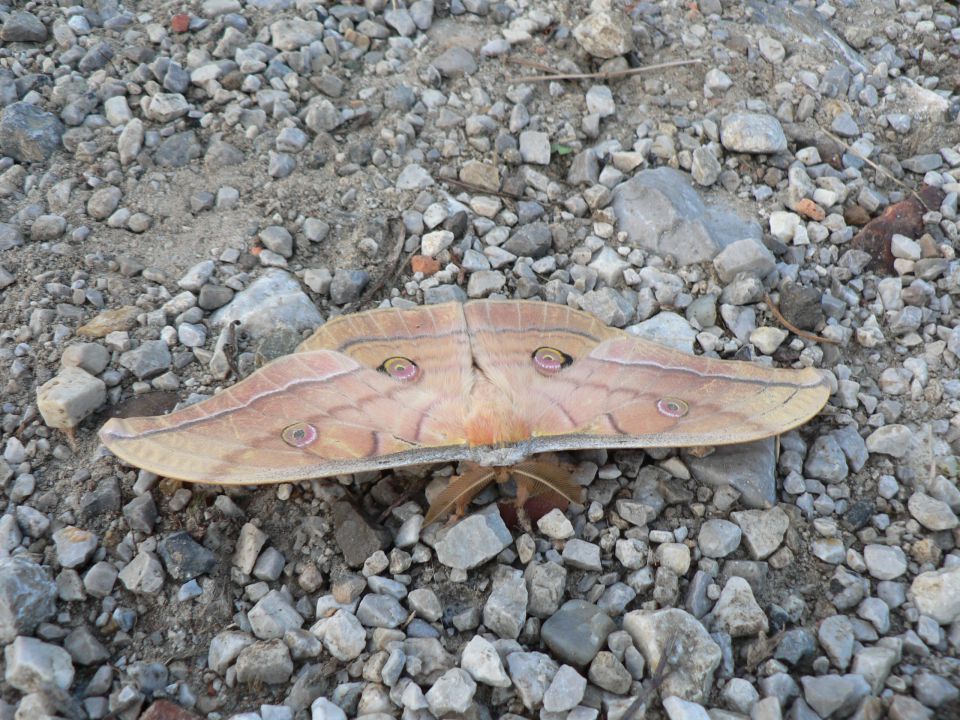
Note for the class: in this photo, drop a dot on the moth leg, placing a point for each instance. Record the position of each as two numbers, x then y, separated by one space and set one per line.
71 434
701 451
459 492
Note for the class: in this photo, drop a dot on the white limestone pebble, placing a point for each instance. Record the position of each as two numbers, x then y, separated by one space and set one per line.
68 398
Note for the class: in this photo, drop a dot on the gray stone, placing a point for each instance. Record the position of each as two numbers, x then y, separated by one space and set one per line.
835 634
608 673
451 693
535 147
143 574
743 256
566 690
74 546
473 541
718 538
103 202
249 543
545 587
680 709
705 168
677 637
265 662
749 468
481 660
608 306
141 513
582 555
763 530
506 608
661 212
933 690
84 647
795 646
532 673
737 612
666 328
28 133
752 133
70 397
829 694
922 164
152 358
273 616
576 632
534 240
272 303
185 558
10 237
344 636
32 665
99 579
455 62
22 26
380 611
826 460
47 227
937 594
347 285
224 649
933 514
278 239
885 562
178 150
355 536
604 34
27 597
90 357
893 440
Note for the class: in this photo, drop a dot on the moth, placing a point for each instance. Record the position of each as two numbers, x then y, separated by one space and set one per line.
490 382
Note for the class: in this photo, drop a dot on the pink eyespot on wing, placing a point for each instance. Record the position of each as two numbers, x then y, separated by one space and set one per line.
400 368
672 407
550 361
299 434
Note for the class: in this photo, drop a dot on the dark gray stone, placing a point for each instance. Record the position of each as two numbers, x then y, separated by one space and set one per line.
29 134
347 285
178 150
533 240
185 558
576 632
27 597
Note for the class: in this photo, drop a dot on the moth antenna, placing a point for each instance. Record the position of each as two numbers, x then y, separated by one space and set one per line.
460 491
552 477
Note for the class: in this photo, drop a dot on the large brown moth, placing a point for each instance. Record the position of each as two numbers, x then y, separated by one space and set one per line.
490 382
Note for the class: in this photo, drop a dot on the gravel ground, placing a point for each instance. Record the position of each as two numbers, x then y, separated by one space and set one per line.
168 167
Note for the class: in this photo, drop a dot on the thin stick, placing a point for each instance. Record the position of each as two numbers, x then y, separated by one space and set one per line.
394 266
478 189
659 675
793 328
534 64
879 168
604 75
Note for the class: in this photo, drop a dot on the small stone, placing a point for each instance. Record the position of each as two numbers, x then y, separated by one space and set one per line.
768 339
414 177
28 133
27 597
535 147
22 26
451 693
608 673
737 612
141 513
249 543
763 530
185 558
576 632
224 649
33 665
531 673
455 62
380 611
885 562
582 555
680 709
347 285
84 647
74 546
506 609
273 616
718 538
482 661
555 525
433 243
344 636
893 440
835 634
604 34
933 514
70 397
752 133
265 662
937 594
143 574
566 690
473 541
103 202
743 256
152 358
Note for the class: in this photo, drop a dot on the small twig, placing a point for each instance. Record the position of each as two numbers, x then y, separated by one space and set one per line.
535 65
793 328
393 268
879 168
609 75
478 189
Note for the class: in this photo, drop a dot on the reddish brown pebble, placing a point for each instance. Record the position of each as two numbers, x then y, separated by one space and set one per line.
180 23
902 218
165 710
423 264
808 208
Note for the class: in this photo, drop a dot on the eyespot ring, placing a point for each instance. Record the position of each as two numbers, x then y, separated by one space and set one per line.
550 361
400 368
299 435
672 407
